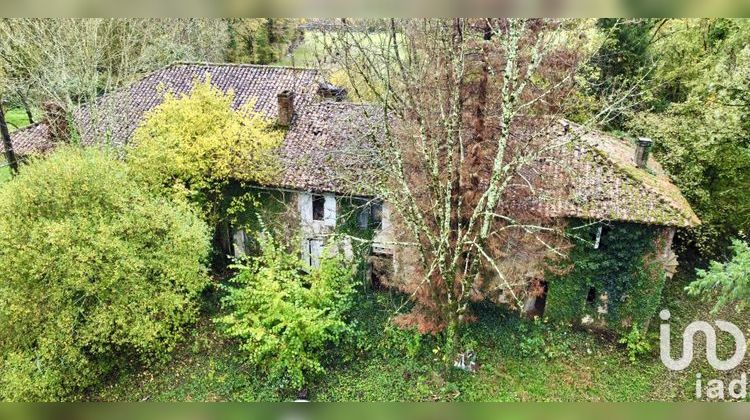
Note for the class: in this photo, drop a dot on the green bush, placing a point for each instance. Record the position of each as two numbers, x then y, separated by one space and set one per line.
285 319
728 283
193 145
636 344
95 274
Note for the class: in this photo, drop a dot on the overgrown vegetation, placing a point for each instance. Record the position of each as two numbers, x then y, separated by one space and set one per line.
621 274
445 169
285 319
97 274
262 40
193 145
558 364
691 82
102 262
726 283
72 61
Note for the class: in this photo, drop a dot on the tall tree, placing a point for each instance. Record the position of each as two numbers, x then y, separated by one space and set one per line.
72 61
470 104
698 117
261 41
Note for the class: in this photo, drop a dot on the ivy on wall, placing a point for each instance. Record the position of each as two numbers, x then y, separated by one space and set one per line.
624 268
348 225
246 207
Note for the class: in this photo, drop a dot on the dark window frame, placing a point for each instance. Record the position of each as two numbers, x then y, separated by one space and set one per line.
592 296
376 215
318 207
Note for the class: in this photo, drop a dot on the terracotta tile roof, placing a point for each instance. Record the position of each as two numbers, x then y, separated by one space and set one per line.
594 177
31 139
115 116
323 147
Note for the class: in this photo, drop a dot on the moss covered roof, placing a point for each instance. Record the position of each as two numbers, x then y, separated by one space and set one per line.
595 176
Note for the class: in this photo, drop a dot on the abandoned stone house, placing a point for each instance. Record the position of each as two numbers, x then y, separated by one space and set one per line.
615 181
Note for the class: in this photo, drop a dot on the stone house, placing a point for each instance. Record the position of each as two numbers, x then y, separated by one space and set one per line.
606 180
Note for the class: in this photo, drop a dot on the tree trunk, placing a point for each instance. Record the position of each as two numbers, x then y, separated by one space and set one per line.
26 108
271 27
10 155
452 338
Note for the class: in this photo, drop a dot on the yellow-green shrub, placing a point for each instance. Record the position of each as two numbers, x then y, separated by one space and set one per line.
194 144
95 274
284 319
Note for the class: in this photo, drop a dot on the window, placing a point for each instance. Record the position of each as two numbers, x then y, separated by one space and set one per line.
318 207
591 297
601 232
598 238
363 217
381 270
239 242
315 249
376 215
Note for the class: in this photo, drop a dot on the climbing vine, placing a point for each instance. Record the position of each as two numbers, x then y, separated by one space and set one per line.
348 224
246 207
621 274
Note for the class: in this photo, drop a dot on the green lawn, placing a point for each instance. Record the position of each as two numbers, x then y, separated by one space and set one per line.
519 361
16 118
314 44
4 173
305 54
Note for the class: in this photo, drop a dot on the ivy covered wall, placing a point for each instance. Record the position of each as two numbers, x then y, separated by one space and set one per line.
622 275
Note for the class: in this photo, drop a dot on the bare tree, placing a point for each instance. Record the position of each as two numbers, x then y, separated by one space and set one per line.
73 61
471 108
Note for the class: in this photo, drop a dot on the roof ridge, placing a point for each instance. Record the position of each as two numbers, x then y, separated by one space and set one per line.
227 64
335 102
146 75
29 126
628 170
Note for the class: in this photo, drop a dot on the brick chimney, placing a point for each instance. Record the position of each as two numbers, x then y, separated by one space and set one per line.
642 150
56 119
286 107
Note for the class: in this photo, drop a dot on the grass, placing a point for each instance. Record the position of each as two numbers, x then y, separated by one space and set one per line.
313 45
519 361
304 55
16 119
4 173
205 368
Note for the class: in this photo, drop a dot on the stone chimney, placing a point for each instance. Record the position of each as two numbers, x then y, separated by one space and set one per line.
56 119
642 150
286 107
